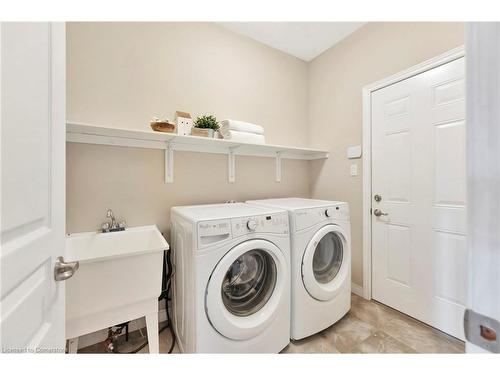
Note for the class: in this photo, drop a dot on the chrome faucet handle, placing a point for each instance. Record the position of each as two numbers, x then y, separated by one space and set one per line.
105 227
111 215
122 224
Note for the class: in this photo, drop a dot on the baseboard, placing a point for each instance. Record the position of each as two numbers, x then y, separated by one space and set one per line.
101 335
357 289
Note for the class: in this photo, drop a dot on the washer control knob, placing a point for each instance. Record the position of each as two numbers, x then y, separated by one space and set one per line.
328 212
251 224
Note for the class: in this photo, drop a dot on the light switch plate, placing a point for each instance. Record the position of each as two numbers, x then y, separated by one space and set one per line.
354 152
354 169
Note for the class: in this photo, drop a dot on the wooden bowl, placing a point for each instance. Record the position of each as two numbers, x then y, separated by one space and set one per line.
164 127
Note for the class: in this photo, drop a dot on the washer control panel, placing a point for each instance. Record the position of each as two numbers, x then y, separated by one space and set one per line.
210 232
214 228
214 231
275 223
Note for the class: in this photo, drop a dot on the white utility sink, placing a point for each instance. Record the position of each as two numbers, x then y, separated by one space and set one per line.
119 279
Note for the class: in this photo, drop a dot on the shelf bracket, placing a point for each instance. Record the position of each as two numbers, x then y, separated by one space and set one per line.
278 166
231 168
169 163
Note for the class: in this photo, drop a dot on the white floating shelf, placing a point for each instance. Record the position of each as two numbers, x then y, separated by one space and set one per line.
83 133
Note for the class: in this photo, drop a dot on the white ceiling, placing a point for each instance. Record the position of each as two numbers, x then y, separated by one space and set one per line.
304 40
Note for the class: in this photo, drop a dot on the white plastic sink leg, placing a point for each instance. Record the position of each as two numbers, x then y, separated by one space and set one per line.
153 335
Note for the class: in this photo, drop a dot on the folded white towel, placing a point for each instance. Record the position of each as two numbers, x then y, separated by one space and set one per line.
241 126
237 136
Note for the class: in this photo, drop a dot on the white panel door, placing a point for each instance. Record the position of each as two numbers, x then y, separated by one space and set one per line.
418 169
32 186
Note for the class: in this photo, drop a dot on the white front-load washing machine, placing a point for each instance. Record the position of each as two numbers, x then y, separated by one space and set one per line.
320 261
231 286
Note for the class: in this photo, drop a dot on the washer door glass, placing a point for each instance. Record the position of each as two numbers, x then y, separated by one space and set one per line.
248 289
249 283
327 258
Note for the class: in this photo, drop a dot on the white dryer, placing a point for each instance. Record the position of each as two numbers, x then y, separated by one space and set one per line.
231 286
320 261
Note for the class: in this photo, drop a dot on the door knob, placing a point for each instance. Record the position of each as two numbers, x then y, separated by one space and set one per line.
64 270
378 213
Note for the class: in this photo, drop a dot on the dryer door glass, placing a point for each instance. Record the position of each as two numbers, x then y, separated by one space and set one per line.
249 283
327 258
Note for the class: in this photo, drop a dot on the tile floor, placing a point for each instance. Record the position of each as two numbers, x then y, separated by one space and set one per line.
369 327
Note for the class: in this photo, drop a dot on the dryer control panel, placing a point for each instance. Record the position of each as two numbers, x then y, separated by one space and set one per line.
311 216
275 223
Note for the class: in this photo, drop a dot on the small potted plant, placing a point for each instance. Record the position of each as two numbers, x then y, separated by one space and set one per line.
205 126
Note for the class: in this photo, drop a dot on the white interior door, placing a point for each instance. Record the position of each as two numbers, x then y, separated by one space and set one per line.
32 185
419 256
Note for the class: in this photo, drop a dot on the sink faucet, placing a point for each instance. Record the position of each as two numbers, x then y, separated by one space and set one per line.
112 225
110 215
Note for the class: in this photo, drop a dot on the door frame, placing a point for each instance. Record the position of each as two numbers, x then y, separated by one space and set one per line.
367 91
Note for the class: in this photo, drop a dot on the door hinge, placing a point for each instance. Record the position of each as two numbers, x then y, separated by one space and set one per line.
482 331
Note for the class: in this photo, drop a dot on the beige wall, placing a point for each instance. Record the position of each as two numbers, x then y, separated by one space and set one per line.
123 74
131 182
336 78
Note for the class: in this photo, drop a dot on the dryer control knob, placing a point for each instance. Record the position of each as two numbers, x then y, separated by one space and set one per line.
251 224
328 212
